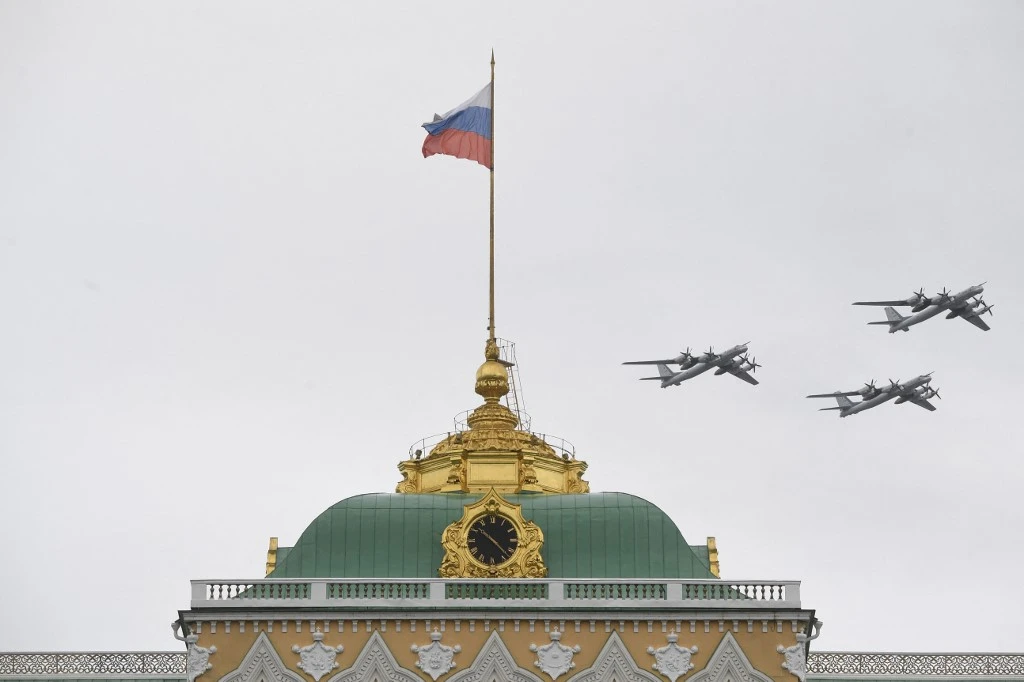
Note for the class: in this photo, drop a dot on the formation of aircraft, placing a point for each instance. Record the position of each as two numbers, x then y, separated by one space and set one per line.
734 361
917 391
966 304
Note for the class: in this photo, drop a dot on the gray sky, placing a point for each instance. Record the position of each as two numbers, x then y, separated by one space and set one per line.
234 293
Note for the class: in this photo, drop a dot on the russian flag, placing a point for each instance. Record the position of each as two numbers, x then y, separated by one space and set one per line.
465 131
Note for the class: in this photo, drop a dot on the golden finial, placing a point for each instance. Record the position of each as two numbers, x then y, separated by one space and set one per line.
492 384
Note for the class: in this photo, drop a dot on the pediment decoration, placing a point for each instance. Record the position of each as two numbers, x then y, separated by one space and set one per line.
555 658
262 664
494 663
318 659
614 663
435 659
729 664
672 660
375 663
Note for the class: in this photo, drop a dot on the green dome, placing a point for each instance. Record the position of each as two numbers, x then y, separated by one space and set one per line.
595 535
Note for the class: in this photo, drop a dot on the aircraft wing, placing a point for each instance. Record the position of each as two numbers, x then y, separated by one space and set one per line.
976 320
881 303
736 372
651 362
833 395
921 402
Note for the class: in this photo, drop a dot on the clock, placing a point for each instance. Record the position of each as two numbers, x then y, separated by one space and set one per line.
492 539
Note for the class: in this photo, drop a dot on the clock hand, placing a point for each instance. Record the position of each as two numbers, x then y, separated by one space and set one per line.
495 542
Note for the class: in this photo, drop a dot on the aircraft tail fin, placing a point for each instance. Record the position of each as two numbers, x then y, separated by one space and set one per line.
892 317
843 401
664 371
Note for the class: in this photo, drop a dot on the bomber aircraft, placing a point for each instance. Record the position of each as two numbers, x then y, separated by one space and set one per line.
733 361
965 304
916 390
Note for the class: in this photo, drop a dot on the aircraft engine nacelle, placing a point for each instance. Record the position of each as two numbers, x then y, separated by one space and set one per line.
721 370
952 314
901 400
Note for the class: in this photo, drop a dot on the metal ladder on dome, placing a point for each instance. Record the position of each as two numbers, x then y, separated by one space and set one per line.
514 398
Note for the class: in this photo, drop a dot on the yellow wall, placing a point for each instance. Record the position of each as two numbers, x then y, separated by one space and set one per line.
759 646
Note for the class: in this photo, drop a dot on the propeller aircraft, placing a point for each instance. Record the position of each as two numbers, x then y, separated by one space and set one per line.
966 304
917 390
734 361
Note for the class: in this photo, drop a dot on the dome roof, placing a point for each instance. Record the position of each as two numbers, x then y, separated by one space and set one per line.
597 535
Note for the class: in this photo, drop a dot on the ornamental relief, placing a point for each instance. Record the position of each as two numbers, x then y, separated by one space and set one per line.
795 657
262 664
729 664
492 540
317 659
614 664
494 663
197 658
672 660
436 659
555 658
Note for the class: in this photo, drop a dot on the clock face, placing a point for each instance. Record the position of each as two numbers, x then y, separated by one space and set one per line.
492 540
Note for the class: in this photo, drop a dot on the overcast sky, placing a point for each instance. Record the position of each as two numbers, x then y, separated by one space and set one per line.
234 293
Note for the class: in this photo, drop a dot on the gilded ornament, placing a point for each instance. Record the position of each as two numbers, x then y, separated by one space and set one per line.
492 540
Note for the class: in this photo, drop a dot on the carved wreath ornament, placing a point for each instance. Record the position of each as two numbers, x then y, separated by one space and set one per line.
555 658
436 659
318 659
672 661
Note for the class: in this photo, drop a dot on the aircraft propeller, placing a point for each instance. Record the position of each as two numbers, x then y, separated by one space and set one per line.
752 364
944 296
868 388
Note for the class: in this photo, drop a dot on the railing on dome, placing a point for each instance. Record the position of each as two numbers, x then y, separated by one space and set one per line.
423 446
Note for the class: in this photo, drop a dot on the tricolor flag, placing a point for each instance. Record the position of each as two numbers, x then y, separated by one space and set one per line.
465 131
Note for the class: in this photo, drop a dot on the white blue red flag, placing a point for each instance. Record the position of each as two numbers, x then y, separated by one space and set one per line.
465 131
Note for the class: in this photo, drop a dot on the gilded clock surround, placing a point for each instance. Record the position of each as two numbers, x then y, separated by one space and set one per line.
493 453
525 561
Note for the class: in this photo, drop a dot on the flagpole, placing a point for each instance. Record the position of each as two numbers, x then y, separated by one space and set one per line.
491 321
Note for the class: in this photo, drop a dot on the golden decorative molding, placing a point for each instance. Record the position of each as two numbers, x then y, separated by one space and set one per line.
713 557
272 556
492 453
524 561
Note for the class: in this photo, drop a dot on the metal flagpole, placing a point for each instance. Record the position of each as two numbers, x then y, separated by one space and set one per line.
491 321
